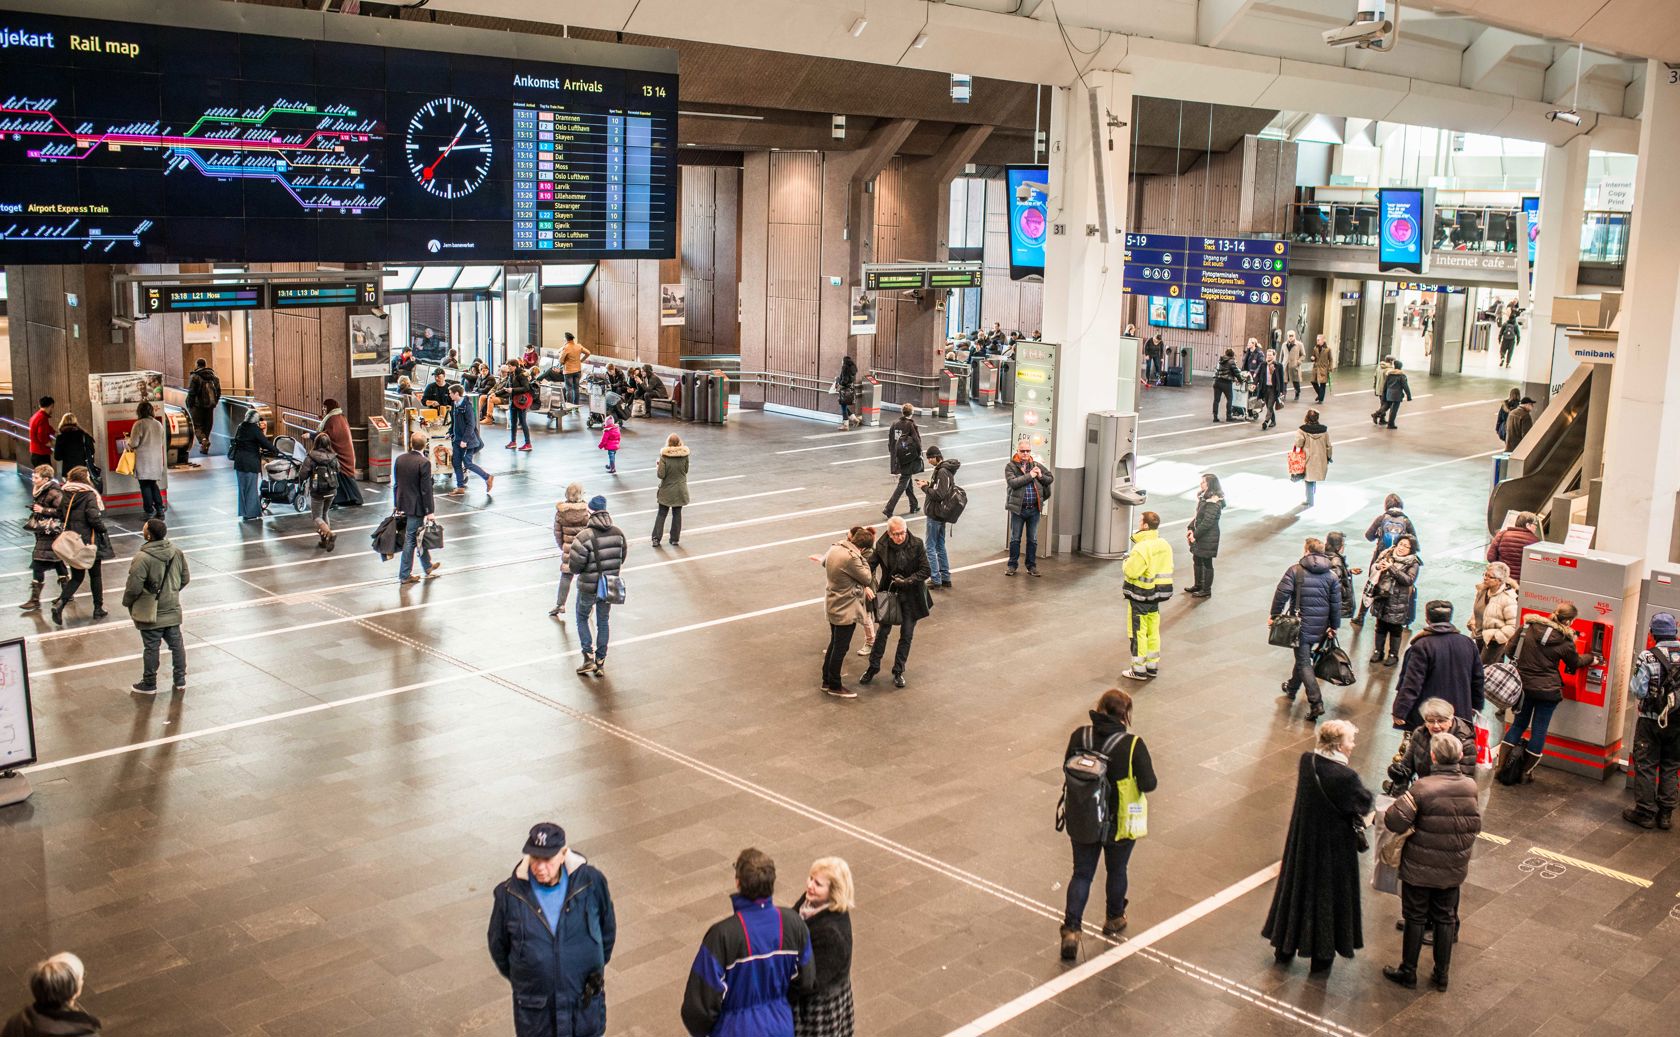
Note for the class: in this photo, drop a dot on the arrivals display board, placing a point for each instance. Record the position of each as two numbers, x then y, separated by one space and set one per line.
129 142
1402 230
1252 271
1029 219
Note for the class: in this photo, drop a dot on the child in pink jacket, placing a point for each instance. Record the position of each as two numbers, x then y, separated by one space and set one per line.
610 437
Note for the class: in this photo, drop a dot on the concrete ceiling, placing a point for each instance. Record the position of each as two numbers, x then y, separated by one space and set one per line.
1633 28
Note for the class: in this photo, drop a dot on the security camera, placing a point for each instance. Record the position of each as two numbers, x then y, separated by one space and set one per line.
1571 117
1025 190
121 323
1369 28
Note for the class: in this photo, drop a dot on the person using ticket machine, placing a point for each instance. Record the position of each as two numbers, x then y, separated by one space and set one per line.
1544 643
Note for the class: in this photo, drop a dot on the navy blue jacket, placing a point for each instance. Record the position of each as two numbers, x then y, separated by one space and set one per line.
1313 589
747 968
1440 663
463 426
549 970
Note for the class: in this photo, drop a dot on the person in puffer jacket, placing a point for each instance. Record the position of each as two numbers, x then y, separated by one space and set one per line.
1388 593
1414 761
596 552
1310 589
1494 619
570 517
752 964
1545 642
1440 811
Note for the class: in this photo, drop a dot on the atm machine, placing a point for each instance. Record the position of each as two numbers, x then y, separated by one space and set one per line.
114 396
1111 489
1586 736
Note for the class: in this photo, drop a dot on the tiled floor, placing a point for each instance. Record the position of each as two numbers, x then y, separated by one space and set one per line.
309 846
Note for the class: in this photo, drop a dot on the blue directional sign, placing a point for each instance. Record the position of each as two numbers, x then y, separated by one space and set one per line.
1241 270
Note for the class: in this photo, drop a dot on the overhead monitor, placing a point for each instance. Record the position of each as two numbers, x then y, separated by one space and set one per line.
1029 219
1403 229
242 134
1531 225
1183 314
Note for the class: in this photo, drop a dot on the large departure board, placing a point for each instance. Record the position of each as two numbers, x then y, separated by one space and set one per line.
128 142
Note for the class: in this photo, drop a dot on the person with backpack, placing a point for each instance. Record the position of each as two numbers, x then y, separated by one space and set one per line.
319 473
1100 756
1385 531
1311 591
1148 569
1655 684
1203 535
672 471
1316 902
945 503
1394 389
596 556
845 389
1545 643
84 515
1028 491
156 577
204 392
1509 335
1506 408
904 454
1518 424
1389 593
337 427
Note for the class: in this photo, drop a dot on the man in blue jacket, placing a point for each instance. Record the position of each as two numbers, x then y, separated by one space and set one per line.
465 442
551 935
750 963
1310 588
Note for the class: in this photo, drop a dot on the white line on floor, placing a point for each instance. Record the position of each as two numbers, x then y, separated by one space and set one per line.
1113 956
1261 457
885 457
876 442
1358 392
1167 417
1472 403
1421 468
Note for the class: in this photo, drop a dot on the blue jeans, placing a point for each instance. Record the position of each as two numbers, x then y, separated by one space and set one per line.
1026 521
587 602
1312 488
1116 855
939 566
1537 718
250 501
517 420
612 460
411 540
464 464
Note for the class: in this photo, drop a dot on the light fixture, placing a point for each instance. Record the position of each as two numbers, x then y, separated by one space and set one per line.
860 25
921 40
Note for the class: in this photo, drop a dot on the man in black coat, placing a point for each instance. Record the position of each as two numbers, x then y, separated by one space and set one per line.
1440 663
904 452
411 493
1311 589
1395 388
1268 382
902 562
204 392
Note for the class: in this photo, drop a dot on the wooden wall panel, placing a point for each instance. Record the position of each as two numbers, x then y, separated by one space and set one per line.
1017 305
726 261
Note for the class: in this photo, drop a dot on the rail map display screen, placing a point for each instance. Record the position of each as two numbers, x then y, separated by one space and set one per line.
124 143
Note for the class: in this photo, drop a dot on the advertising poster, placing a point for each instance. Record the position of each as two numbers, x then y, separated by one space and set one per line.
1531 225
201 327
1401 232
863 316
370 346
17 722
673 304
1029 219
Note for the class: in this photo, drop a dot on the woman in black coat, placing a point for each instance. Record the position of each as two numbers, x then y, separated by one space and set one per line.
1335 548
250 446
1203 534
84 515
74 447
1316 904
826 907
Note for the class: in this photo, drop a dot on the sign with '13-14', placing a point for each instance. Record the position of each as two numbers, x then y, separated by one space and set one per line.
1252 271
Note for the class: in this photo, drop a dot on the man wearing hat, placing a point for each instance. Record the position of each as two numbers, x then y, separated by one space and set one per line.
1656 736
551 935
597 552
1518 424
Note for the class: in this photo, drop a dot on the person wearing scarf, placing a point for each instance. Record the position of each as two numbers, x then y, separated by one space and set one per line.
83 513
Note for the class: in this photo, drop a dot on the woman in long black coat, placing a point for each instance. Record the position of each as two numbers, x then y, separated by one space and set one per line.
826 907
1203 534
1315 908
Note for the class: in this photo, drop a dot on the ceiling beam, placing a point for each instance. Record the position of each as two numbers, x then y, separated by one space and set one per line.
1560 77
1486 54
1216 18
880 146
957 151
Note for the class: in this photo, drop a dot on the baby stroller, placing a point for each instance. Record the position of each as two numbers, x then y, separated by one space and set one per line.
604 400
281 481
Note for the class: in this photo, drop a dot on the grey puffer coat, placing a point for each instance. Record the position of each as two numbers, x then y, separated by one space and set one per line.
1440 810
672 469
1392 597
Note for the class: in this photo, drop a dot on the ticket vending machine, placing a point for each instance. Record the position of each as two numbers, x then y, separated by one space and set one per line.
380 436
114 397
1586 735
1111 489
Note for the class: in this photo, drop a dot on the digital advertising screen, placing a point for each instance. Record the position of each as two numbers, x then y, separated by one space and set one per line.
1402 234
1531 225
1029 219
1183 314
123 142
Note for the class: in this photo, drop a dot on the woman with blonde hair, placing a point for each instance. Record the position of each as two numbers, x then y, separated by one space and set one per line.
826 906
570 516
73 447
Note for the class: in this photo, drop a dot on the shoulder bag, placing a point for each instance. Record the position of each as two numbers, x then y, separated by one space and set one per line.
1331 664
1133 822
145 607
71 549
1360 840
611 589
1285 631
1502 681
125 463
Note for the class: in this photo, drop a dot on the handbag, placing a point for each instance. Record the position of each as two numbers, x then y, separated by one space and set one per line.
1331 664
125 463
1361 841
610 588
1385 867
888 609
1285 631
70 548
431 536
1133 821
145 607
1297 461
1502 681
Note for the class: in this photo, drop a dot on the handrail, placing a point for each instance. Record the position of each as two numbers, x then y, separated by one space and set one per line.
7 424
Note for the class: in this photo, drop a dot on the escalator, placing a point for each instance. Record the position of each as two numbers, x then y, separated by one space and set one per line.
1550 457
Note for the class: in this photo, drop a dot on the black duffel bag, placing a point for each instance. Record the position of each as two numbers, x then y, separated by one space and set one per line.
1331 664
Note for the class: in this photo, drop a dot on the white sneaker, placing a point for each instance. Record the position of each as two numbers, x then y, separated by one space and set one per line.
866 649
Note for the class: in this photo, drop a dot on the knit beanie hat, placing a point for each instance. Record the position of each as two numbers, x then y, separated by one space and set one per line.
597 503
1663 627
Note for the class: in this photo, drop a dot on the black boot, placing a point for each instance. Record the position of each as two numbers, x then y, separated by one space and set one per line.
1665 818
1636 816
1411 945
1445 935
1531 763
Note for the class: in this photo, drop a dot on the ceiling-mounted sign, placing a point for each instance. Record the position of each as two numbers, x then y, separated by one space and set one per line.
1029 219
1251 271
190 298
315 295
1403 229
901 277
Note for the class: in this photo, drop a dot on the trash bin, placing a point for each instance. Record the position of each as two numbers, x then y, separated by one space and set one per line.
703 396
949 386
871 400
1006 381
379 450
687 391
1184 358
987 391
719 406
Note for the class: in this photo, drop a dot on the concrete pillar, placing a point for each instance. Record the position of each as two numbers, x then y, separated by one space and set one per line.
1642 446
1083 310
1557 259
60 328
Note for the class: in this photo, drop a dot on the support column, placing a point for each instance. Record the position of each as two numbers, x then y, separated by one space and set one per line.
1557 259
1642 444
1082 274
60 324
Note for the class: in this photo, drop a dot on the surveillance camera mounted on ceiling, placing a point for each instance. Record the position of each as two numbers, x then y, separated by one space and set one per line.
1370 29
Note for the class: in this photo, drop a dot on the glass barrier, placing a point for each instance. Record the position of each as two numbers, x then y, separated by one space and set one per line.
1604 234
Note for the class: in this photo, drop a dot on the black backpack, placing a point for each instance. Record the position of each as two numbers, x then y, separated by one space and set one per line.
1083 811
952 506
905 451
1663 700
323 480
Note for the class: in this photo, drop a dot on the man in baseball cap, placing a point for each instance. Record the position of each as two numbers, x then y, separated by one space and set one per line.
551 935
1655 682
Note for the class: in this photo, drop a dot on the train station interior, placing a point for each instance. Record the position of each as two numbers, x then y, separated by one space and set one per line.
701 263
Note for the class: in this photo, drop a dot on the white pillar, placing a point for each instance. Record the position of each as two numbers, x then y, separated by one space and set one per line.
1557 259
1642 442
1082 273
